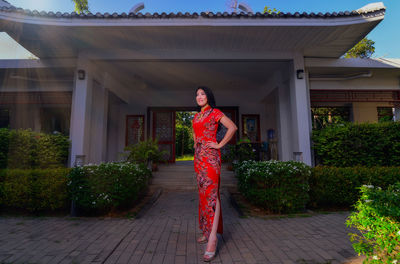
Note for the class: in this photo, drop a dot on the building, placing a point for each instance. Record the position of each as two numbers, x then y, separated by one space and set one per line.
111 79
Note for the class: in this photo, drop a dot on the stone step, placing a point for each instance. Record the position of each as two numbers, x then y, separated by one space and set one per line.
184 186
185 169
181 176
158 183
173 167
171 181
174 187
184 177
176 169
160 172
177 176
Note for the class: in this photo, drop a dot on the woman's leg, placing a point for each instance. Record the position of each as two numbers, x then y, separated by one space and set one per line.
213 235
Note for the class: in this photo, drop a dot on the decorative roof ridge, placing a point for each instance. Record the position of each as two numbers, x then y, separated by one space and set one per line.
5 3
368 9
372 7
389 60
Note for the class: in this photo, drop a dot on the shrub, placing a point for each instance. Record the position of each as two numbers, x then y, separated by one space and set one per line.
377 219
4 142
332 186
100 188
278 186
34 190
25 149
144 152
351 144
243 150
52 150
21 149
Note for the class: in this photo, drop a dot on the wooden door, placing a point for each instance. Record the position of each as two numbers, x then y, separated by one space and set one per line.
164 131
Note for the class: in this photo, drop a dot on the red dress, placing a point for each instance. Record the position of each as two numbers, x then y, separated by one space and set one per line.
207 165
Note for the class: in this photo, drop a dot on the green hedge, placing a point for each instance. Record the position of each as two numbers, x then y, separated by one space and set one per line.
281 187
378 221
34 190
332 186
97 189
351 144
4 143
25 149
286 186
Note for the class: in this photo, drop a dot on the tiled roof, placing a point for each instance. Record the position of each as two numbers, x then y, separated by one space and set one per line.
89 15
5 3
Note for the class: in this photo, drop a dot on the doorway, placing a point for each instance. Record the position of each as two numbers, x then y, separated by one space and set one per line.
172 126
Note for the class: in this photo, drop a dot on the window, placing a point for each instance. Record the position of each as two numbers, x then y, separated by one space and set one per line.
4 118
385 114
323 116
55 119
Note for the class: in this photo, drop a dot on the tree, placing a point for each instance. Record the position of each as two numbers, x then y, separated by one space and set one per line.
81 6
363 49
268 10
183 133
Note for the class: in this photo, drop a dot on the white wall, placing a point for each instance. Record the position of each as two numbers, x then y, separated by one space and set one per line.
380 80
18 85
113 124
28 115
25 116
269 118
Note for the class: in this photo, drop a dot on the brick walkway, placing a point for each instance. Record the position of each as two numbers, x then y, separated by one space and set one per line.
167 234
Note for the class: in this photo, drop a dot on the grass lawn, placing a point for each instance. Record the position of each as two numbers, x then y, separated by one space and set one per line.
184 157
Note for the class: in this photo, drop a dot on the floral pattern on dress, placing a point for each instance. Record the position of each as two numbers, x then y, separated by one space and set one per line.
207 165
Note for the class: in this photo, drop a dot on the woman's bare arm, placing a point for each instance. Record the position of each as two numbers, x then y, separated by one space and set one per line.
227 122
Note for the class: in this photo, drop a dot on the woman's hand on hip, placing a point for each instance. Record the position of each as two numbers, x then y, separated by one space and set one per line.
211 144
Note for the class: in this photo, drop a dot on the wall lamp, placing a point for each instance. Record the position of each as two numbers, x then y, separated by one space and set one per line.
81 74
300 74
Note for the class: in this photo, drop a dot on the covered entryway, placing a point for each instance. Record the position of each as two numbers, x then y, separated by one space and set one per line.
240 88
125 63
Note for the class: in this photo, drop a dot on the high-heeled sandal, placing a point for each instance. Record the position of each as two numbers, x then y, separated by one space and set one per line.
210 255
202 240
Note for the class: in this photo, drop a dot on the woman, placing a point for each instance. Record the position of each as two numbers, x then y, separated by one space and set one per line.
207 165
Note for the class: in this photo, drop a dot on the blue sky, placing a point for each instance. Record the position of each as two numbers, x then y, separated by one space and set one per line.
386 34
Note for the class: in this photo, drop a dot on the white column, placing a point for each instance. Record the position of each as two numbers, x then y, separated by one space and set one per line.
98 127
397 114
284 119
310 119
300 109
80 112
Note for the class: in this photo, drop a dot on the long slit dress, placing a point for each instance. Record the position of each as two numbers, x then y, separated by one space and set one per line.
207 165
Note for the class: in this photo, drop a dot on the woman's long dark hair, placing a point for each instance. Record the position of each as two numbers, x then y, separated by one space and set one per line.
209 95
210 100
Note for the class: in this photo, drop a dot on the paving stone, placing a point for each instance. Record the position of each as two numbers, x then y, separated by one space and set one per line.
167 233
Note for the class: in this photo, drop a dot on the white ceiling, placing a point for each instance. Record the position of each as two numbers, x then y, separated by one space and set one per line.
183 75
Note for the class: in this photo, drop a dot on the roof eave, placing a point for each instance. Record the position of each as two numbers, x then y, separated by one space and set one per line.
372 63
